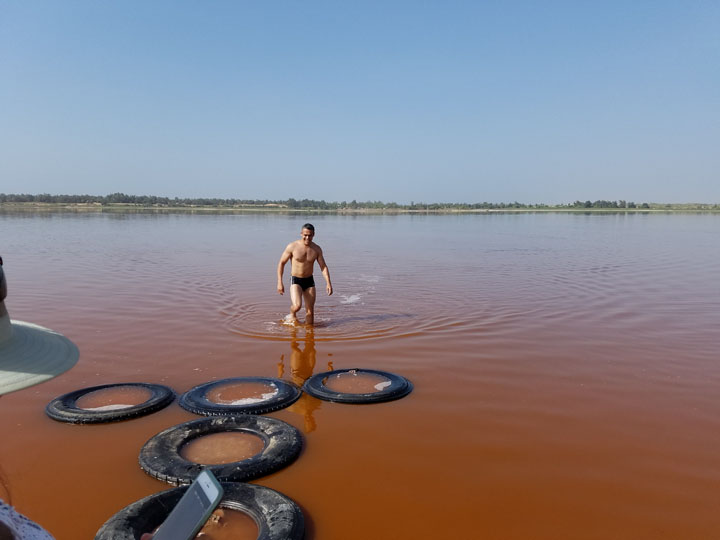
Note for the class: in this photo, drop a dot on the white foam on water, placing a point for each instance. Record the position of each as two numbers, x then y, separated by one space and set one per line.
352 299
251 400
113 407
382 385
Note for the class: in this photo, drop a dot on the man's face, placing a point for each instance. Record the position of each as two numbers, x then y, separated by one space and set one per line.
306 235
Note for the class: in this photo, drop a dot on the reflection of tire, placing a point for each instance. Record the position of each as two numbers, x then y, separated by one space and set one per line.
196 401
160 456
399 387
277 516
64 408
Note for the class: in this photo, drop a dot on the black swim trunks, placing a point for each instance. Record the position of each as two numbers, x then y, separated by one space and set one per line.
304 282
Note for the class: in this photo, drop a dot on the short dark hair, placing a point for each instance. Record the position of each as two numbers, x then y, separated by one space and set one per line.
309 227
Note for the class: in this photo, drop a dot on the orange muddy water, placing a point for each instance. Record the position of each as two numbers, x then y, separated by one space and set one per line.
565 366
352 382
241 393
223 447
115 397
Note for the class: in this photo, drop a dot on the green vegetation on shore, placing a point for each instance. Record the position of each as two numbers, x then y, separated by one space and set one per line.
121 200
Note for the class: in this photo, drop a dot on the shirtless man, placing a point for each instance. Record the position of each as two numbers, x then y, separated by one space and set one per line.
303 253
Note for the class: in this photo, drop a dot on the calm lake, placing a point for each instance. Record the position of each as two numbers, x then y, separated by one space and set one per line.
565 366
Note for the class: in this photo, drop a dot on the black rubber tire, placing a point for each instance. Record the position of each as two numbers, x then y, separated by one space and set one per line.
195 400
277 516
160 456
64 409
399 387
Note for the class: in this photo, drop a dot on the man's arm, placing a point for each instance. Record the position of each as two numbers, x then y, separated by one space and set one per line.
284 258
325 272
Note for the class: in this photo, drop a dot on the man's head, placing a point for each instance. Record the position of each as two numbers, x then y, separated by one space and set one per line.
307 233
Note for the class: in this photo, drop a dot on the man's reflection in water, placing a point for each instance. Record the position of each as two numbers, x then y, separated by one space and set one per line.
302 364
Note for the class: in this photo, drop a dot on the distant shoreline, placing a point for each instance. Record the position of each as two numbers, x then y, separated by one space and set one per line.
278 209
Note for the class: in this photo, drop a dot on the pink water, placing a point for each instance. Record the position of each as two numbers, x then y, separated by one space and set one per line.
565 366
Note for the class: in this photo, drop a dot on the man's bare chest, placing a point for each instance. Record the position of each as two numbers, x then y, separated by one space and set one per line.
304 254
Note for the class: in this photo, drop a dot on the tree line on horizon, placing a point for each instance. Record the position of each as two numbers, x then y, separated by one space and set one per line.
309 204
152 200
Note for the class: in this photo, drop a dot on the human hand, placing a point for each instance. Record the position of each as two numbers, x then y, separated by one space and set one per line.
329 289
280 288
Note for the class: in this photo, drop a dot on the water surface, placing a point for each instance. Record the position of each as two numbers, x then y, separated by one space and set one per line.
565 366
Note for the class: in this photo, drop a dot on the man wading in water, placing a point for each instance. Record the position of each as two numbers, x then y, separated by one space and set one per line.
303 253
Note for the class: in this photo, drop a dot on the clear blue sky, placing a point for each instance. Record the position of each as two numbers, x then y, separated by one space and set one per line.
445 101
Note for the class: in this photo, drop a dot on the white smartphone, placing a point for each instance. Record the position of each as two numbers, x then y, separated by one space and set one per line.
192 510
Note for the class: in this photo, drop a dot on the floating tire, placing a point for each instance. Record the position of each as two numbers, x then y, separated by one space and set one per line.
397 388
278 517
196 399
160 456
64 408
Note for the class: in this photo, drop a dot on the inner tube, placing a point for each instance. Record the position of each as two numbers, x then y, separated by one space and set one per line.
64 408
160 456
399 387
277 516
196 399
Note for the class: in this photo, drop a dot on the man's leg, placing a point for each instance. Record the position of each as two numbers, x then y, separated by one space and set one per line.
296 296
309 296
